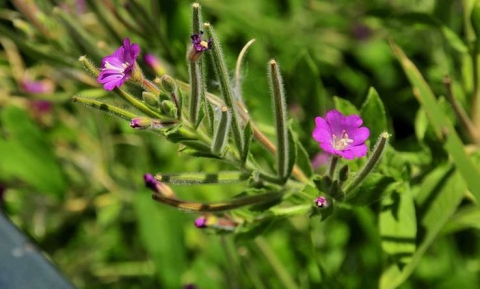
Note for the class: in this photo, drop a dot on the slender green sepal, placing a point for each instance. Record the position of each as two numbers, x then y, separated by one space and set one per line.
222 73
280 111
370 164
202 178
221 133
218 206
89 67
111 109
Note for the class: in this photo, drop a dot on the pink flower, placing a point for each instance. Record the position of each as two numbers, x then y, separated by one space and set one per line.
118 67
341 135
321 202
198 46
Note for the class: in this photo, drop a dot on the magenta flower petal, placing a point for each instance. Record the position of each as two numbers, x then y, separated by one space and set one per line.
118 67
341 135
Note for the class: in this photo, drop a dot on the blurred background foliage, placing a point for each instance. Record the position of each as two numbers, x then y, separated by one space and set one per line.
71 177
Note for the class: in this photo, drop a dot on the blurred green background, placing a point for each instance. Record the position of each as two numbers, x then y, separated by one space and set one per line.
72 176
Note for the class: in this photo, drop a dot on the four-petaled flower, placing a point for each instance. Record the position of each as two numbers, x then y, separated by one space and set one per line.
341 135
198 46
118 67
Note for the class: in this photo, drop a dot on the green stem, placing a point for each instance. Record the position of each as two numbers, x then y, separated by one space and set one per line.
276 264
116 111
371 162
460 112
202 178
333 165
138 104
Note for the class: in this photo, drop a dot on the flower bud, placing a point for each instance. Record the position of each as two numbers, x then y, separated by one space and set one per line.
219 223
141 122
155 64
158 187
168 83
321 202
150 98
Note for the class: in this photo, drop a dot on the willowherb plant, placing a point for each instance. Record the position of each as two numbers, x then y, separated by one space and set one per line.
220 128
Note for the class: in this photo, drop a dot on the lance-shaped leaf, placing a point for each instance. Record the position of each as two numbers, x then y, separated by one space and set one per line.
438 198
443 128
221 133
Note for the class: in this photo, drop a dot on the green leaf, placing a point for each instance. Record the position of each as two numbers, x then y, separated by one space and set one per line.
440 194
465 218
248 232
344 106
443 128
292 152
303 159
373 188
27 155
373 114
397 225
454 40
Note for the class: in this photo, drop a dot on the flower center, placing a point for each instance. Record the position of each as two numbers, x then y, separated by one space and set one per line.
119 69
341 143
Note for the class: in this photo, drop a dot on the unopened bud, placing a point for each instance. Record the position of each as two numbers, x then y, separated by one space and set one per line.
321 202
168 83
150 98
141 122
219 223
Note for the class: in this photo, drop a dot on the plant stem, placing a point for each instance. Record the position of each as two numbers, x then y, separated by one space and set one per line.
276 264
